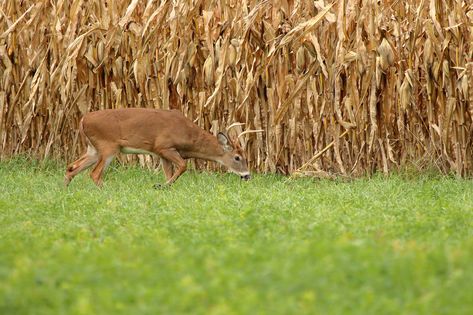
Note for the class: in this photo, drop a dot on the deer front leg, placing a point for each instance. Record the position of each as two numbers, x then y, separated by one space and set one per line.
172 156
167 169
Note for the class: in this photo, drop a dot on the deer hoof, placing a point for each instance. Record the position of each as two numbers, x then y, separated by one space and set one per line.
158 186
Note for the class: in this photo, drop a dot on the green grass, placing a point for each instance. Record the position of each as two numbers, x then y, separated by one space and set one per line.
213 244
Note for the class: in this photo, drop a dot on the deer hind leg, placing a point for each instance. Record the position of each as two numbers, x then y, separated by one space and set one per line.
104 160
172 156
84 162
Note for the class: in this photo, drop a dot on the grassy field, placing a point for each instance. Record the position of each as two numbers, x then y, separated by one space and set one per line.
213 244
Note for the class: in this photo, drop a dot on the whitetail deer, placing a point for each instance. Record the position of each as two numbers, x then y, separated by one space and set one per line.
164 133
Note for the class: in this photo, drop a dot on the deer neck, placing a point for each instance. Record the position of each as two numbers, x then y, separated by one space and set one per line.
207 147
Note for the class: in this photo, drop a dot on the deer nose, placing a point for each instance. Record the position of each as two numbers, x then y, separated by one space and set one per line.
246 177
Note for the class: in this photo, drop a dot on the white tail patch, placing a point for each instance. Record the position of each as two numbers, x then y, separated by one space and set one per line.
91 151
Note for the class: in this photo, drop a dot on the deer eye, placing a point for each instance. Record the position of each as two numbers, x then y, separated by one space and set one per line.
237 158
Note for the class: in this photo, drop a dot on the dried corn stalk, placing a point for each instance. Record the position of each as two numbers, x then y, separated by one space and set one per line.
337 87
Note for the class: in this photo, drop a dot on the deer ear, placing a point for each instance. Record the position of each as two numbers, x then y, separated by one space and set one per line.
225 142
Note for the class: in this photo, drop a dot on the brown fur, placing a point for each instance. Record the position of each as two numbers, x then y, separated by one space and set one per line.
165 133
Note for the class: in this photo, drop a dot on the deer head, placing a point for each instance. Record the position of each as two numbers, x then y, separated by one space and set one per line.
234 157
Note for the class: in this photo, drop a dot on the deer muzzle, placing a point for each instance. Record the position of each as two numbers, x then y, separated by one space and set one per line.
246 177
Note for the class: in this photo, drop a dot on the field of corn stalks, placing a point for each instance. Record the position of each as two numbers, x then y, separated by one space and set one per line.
348 87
